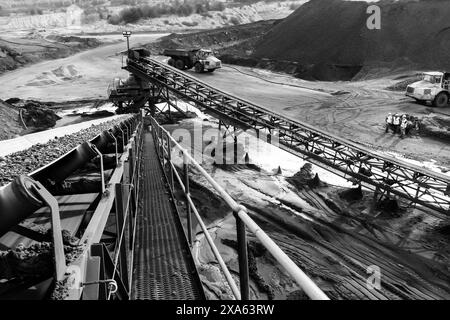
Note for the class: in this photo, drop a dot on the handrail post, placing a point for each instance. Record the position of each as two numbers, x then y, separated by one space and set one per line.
187 193
158 140
169 158
129 129
244 278
121 248
161 141
123 138
132 190
117 147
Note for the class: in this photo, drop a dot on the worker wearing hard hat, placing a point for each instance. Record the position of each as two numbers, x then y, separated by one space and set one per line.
389 122
396 122
410 125
403 125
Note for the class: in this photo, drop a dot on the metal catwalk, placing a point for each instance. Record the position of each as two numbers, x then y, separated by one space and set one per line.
163 266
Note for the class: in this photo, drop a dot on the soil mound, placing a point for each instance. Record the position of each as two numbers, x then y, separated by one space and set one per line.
38 116
306 177
236 40
58 75
9 121
22 51
352 194
330 38
436 127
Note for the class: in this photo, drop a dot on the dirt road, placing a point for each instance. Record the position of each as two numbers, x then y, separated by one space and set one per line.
352 110
82 76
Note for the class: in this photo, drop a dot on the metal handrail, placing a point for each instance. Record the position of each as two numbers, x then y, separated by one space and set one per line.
210 241
134 185
158 138
307 285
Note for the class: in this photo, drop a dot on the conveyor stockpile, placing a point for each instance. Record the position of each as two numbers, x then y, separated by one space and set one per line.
18 199
85 166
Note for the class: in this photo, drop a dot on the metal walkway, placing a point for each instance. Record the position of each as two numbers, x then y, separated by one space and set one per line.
163 266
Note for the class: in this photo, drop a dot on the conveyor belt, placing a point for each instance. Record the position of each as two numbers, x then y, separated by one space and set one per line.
163 266
72 210
382 173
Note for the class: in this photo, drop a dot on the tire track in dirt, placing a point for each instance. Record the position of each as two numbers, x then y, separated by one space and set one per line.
395 285
395 272
355 283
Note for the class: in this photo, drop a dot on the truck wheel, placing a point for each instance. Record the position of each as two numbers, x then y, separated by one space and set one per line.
441 100
171 62
179 64
198 67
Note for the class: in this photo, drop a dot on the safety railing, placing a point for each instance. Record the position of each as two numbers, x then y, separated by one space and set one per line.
109 272
164 144
126 204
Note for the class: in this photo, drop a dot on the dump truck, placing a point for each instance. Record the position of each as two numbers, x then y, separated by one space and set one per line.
201 60
434 87
138 53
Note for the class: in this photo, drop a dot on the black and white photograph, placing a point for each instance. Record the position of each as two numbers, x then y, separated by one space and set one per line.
220 158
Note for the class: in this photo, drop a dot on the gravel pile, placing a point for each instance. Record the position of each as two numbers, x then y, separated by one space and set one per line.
26 161
9 121
22 264
331 41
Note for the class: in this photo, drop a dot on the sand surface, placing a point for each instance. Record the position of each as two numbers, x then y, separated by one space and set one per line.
82 76
333 240
355 110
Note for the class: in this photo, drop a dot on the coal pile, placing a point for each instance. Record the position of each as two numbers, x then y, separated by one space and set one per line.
329 39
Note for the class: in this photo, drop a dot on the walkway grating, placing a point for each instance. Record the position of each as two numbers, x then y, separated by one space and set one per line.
163 266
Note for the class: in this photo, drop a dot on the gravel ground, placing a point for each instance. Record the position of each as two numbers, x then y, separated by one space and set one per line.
24 162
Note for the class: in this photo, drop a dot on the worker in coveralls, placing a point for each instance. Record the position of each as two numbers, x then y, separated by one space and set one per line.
403 125
389 122
409 125
396 122
416 125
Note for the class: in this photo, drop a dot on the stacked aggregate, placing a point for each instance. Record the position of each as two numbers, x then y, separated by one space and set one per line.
26 161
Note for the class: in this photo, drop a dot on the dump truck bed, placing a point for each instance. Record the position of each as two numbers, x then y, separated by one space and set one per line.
178 52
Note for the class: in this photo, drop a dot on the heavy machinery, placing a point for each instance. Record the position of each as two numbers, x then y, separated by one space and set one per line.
434 87
201 59
138 53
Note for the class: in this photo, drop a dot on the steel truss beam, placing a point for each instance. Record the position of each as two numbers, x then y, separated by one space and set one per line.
350 160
